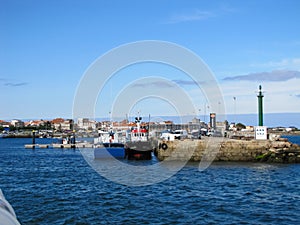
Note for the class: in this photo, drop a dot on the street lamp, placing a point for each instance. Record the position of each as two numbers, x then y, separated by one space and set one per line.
234 101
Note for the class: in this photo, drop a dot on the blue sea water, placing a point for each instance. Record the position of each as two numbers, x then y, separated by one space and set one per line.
56 186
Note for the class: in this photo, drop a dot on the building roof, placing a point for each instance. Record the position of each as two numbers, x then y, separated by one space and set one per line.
58 120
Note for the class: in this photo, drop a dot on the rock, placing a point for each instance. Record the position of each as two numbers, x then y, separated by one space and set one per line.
283 139
274 137
278 144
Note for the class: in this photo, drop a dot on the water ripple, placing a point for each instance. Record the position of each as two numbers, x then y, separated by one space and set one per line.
58 187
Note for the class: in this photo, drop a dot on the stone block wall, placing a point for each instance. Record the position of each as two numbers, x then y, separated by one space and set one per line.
220 149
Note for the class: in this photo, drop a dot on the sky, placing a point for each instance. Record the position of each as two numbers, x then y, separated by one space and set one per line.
46 48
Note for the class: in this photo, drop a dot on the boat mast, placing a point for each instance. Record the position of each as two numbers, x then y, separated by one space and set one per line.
138 125
148 128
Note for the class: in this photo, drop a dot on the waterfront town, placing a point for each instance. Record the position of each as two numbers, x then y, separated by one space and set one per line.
86 127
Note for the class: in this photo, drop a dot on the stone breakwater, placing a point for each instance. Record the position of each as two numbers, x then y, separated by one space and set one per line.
218 149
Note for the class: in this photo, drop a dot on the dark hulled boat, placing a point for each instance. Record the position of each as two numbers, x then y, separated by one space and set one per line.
138 147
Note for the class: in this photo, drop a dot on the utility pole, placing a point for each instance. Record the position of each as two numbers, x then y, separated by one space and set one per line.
234 101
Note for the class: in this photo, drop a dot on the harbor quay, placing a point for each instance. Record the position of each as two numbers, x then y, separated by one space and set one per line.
279 150
60 145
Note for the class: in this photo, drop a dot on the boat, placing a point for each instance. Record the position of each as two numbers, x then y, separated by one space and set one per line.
3 135
109 144
138 147
108 150
7 213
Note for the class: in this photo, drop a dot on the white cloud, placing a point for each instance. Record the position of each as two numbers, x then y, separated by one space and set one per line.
291 64
154 84
195 15
276 75
279 96
199 15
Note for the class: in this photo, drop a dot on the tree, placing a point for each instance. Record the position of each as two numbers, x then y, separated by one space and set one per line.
12 128
240 126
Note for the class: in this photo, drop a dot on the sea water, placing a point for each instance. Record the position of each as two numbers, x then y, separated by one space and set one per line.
57 186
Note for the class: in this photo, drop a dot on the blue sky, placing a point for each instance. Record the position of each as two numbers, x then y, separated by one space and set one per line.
46 47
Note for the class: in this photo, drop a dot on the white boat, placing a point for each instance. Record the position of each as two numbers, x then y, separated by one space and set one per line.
7 213
109 137
3 135
109 144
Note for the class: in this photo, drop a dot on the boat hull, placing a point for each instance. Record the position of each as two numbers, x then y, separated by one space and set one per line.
139 150
108 150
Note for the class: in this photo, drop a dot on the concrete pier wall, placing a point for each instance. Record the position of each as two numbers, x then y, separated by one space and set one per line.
280 151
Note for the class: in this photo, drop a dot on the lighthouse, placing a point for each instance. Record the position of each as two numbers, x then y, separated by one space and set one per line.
260 130
260 107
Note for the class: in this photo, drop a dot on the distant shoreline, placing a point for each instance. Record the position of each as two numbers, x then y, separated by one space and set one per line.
29 135
282 119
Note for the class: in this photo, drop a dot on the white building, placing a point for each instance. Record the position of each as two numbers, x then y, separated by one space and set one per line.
86 124
17 123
